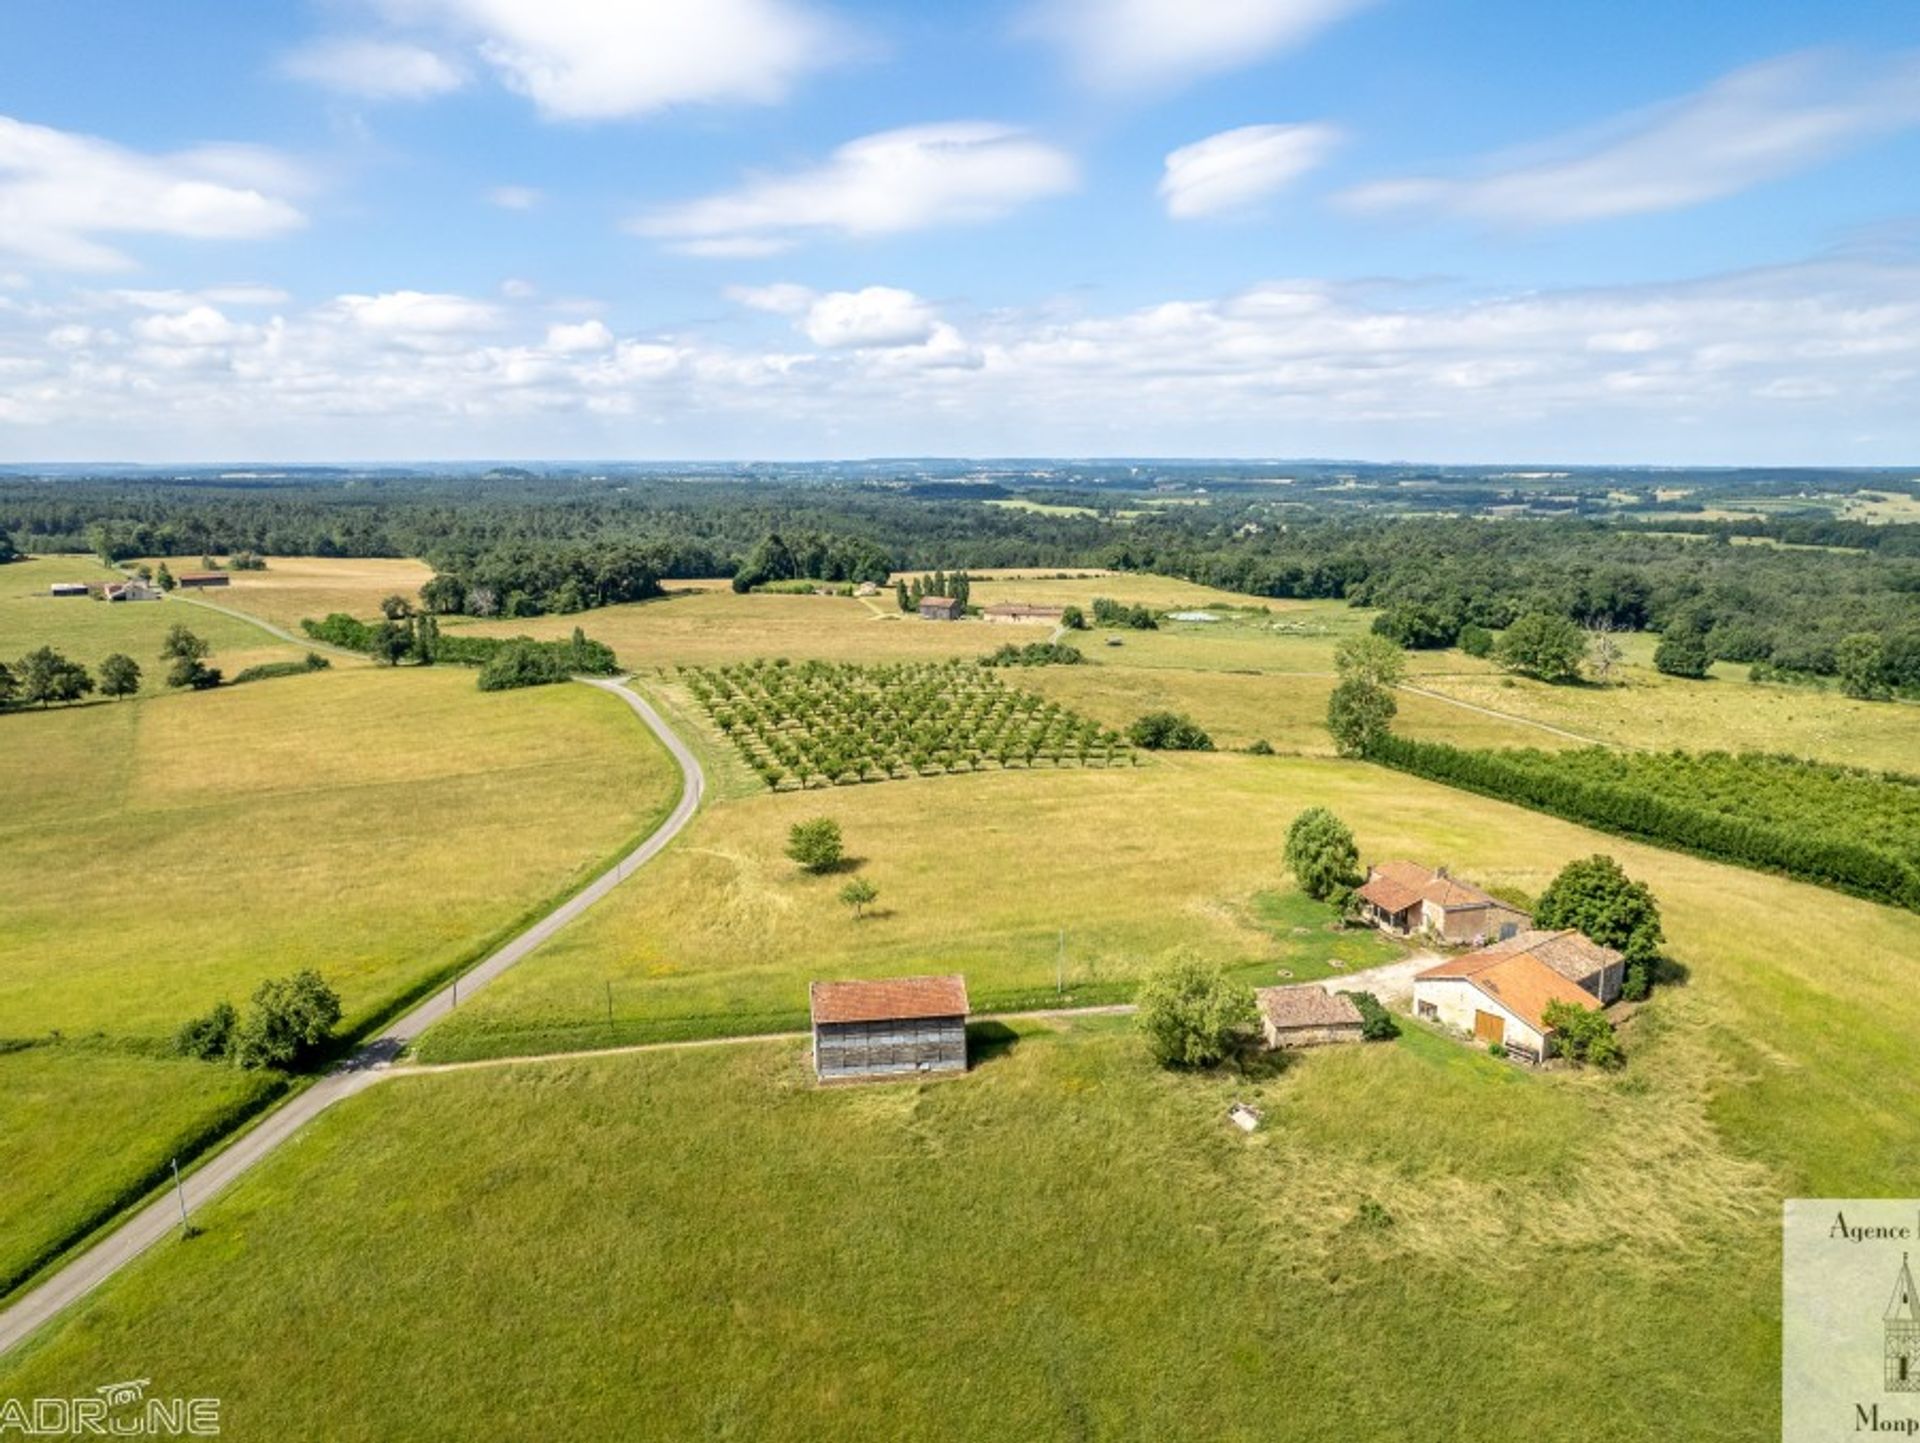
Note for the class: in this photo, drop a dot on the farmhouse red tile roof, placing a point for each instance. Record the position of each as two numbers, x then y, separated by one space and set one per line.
1574 955
889 999
936 601
1305 1006
1396 886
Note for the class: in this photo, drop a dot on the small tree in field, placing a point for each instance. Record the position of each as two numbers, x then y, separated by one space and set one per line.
1322 855
1543 645
858 895
187 652
1192 1015
816 844
1594 896
119 675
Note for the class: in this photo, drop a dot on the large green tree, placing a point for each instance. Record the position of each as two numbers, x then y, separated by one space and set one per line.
1361 709
1321 854
289 1019
43 675
1192 1014
187 652
1683 652
1595 896
119 675
1542 645
1859 660
9 685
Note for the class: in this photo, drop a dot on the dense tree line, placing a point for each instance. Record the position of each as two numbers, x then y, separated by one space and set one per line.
523 544
504 662
1849 830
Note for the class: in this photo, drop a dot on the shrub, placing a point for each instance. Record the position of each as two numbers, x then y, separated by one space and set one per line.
1192 1015
858 895
1476 640
1260 747
1584 1034
1034 653
1165 731
313 661
523 663
207 1038
1683 653
1073 618
816 844
289 1019
1321 854
1376 1023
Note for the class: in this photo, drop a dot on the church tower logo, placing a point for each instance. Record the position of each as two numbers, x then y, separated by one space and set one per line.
1903 1334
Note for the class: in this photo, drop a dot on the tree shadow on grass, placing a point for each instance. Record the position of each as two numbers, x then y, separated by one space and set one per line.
989 1041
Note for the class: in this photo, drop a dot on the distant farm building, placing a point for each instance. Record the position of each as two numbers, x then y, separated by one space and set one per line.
68 588
1500 993
1020 613
889 1027
940 608
204 578
131 591
1306 1016
866 588
1405 897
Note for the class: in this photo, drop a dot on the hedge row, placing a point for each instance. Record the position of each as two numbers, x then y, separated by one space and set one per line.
505 661
1531 780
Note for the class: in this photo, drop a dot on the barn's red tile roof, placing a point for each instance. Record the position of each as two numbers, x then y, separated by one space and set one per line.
889 999
1574 955
1306 1006
1513 977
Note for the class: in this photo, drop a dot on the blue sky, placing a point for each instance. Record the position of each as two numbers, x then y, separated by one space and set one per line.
1443 229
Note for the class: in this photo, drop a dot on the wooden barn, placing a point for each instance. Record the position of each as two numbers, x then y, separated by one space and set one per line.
204 578
889 1027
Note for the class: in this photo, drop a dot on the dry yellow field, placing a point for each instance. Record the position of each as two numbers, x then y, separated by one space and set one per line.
295 587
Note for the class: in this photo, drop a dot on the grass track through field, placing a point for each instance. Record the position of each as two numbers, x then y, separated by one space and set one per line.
159 1216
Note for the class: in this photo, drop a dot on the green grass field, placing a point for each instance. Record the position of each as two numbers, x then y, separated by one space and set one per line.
87 630
70 1152
1067 1243
166 853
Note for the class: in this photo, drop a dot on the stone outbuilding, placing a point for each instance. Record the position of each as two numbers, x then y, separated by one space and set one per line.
1306 1016
1405 897
940 608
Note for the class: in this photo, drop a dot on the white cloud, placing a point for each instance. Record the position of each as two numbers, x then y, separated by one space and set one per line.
1235 168
244 294
1814 362
375 69
898 180
59 192
579 338
1120 44
514 197
1745 129
783 298
601 59
515 289
415 315
196 326
877 316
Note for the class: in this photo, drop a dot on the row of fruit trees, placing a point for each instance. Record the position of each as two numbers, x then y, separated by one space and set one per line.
817 723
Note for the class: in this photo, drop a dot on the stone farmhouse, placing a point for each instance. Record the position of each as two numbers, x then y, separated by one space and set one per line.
1404 898
1306 1016
1500 993
940 608
889 1027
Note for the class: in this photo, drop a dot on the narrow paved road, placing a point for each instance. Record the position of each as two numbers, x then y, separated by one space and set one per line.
82 1274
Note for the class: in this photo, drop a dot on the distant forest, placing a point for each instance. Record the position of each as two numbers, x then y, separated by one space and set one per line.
1787 587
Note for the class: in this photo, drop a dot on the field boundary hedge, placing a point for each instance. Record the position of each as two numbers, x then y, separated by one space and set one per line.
1645 816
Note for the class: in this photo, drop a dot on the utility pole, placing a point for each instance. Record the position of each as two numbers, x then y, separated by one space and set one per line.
180 1196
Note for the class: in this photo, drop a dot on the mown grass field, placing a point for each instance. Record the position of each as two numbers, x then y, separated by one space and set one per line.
1066 1244
87 630
164 854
